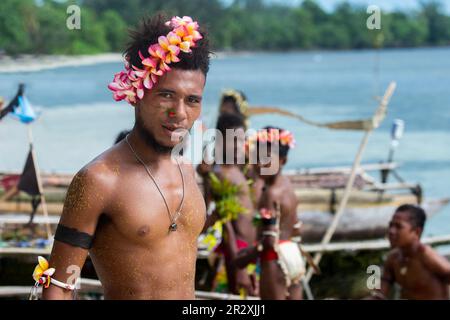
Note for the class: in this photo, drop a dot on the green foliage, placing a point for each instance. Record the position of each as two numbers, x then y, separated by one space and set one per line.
115 30
225 195
14 36
29 26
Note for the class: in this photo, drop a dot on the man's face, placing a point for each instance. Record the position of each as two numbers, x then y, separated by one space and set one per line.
401 232
227 107
270 161
173 103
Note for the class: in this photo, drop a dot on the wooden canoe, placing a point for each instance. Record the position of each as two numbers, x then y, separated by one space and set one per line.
367 214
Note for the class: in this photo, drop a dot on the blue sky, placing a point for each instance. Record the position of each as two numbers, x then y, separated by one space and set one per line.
384 4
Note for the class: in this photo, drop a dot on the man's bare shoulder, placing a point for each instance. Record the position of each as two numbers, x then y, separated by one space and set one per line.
99 176
426 250
288 188
428 253
392 256
233 174
104 166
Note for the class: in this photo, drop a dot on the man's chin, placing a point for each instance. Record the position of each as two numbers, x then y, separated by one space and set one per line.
394 244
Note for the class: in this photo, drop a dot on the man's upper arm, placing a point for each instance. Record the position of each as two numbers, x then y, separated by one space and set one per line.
436 263
85 201
289 210
388 276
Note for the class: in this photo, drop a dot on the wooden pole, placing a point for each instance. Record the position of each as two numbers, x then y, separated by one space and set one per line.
379 114
39 181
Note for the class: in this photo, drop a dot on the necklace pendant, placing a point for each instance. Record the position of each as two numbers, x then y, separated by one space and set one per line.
173 227
403 270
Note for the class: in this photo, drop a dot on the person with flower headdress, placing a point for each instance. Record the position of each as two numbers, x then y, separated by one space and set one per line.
136 208
281 263
233 207
234 102
231 102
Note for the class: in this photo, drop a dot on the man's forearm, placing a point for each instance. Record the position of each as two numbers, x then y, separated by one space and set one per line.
55 293
246 256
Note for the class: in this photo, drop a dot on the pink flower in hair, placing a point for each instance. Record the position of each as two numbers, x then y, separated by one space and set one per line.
170 45
177 21
192 32
150 73
287 138
156 51
122 87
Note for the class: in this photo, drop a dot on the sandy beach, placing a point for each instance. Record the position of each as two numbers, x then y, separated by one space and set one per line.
32 63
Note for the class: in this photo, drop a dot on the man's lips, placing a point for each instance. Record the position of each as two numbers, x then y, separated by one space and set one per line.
176 132
172 127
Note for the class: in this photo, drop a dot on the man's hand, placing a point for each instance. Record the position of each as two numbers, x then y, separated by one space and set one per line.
269 229
243 281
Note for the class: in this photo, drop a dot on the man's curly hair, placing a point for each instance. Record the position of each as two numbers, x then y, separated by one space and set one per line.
148 32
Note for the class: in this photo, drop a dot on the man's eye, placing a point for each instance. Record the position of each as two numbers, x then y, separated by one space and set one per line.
166 95
193 100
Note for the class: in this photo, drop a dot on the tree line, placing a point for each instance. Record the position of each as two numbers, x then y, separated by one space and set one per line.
39 26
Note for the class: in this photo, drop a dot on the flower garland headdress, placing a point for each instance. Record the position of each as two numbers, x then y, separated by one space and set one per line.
241 103
129 84
272 135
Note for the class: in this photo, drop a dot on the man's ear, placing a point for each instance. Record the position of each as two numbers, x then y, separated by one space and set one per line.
418 231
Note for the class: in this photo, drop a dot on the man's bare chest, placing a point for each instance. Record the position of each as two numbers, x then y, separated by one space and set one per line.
413 274
141 213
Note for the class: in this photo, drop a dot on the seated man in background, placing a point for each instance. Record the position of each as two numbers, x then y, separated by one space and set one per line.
419 270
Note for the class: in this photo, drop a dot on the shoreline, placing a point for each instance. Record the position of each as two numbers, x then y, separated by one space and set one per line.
33 63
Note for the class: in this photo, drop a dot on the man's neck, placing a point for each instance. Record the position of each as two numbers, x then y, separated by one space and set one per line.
145 152
411 249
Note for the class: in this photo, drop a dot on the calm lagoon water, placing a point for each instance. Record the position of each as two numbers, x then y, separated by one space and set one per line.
79 118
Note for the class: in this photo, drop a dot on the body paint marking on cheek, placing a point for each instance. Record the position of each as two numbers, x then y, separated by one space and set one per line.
171 112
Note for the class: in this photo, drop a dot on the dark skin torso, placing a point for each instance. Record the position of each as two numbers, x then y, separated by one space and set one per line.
426 278
134 254
242 228
272 283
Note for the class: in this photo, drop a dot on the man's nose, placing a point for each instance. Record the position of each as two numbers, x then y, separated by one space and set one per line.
178 112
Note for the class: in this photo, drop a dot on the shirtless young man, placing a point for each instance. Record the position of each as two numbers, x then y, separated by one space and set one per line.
242 227
140 246
419 270
277 194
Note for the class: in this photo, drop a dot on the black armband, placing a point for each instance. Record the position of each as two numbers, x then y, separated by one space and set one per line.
73 237
269 222
388 280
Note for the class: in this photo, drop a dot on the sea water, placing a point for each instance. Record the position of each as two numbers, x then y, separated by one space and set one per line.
79 118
